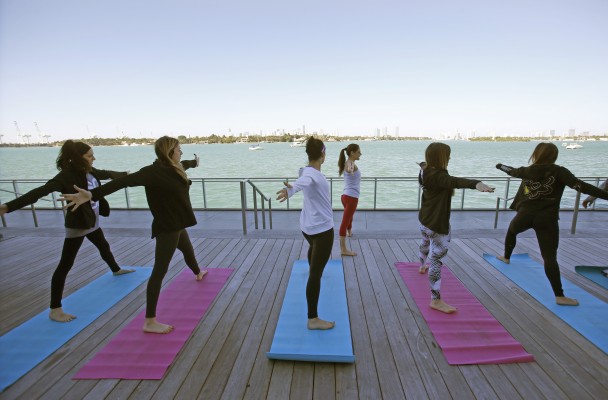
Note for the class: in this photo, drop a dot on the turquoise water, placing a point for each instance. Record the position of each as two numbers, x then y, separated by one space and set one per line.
279 160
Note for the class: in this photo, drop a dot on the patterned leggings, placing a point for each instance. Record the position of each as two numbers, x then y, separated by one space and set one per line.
438 246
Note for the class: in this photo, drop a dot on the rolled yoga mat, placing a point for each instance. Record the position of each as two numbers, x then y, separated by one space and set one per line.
471 335
134 354
293 340
27 345
594 274
588 319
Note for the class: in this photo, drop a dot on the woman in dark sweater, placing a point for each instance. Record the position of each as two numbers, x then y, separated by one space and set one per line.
168 195
75 163
434 216
537 204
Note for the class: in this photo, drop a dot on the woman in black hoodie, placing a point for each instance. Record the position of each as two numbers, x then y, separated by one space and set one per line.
75 163
537 204
168 195
434 216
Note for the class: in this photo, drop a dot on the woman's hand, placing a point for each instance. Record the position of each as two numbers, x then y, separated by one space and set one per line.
3 209
197 159
76 199
482 187
282 194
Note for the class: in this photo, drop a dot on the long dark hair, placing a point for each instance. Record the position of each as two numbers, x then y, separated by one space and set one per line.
70 156
345 152
544 153
314 148
437 155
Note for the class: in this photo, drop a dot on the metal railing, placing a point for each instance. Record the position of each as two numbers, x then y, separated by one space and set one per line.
378 193
255 192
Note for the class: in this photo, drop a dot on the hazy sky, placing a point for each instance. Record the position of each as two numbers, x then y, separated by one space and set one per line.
145 67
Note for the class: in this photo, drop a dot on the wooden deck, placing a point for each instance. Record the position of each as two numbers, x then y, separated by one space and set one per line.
396 355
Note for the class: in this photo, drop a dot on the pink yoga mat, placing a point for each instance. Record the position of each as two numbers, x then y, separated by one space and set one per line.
471 335
133 354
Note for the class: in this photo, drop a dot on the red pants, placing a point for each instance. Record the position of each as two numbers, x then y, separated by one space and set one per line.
350 206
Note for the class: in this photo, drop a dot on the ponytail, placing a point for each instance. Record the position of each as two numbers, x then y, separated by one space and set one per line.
345 152
341 161
70 156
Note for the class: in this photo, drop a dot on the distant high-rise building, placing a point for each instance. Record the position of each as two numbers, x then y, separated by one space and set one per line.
571 132
552 132
397 131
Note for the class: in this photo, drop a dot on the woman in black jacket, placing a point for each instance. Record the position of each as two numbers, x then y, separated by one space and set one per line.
168 195
434 216
537 204
75 163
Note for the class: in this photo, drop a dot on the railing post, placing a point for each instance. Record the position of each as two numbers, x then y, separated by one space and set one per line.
507 192
263 212
255 208
204 194
34 215
575 213
496 216
462 200
375 190
419 196
270 212
331 192
16 188
244 206
127 198
287 180
3 220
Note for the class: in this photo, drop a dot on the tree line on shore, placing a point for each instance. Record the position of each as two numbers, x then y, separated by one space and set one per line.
285 138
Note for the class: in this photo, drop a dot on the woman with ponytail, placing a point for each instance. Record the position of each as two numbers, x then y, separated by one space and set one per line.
168 195
316 223
350 195
75 165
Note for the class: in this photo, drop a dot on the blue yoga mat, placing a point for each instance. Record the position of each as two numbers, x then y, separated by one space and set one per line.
31 342
293 340
594 274
589 318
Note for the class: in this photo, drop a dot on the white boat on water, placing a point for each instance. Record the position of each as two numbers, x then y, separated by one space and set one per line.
573 146
297 143
256 147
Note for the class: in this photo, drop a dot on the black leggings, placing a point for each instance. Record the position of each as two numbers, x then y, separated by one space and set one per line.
166 243
547 234
319 251
68 255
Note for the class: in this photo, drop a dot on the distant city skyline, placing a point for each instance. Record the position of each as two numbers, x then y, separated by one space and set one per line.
73 69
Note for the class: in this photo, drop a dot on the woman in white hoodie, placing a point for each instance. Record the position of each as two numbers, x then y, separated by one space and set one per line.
316 223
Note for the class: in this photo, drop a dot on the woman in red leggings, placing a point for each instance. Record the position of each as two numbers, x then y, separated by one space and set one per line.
350 195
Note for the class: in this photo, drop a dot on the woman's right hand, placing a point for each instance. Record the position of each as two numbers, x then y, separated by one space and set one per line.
76 199
482 187
3 209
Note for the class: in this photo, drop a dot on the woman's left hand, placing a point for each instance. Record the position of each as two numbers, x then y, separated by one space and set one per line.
197 159
76 199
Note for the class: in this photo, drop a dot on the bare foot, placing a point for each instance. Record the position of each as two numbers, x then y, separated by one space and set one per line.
153 326
316 323
423 269
440 305
200 275
123 271
566 301
346 252
58 315
505 260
